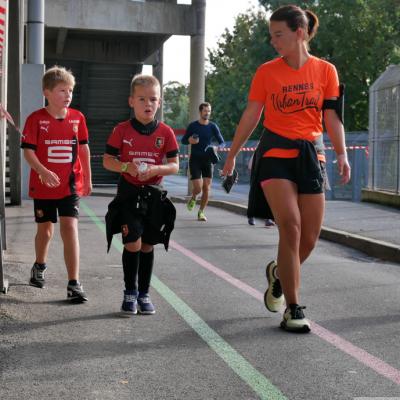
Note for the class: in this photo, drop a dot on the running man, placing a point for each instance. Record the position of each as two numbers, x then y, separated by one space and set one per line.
200 134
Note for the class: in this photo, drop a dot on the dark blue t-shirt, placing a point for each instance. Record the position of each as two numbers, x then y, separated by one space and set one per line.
207 134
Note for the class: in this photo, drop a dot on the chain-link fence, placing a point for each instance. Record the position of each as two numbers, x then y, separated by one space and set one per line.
384 132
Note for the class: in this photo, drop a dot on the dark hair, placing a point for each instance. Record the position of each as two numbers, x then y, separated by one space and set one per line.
296 17
202 105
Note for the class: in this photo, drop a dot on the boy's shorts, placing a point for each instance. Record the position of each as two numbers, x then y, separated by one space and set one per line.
134 226
286 168
46 209
200 167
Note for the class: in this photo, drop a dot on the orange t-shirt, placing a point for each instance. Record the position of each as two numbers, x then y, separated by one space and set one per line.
293 98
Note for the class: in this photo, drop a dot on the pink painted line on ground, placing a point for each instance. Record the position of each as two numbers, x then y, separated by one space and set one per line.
376 364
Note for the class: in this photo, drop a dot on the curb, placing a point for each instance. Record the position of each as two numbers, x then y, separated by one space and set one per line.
372 247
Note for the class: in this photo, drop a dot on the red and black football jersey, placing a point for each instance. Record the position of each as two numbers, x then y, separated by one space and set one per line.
56 144
132 146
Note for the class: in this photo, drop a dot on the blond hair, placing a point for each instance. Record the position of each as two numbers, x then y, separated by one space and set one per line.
144 80
55 75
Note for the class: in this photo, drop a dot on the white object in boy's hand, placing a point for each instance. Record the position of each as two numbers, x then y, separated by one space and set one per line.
142 167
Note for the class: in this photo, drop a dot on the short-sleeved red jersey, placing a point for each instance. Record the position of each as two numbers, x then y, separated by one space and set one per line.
132 146
56 145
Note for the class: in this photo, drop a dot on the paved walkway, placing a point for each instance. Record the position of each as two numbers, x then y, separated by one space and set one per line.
368 227
211 336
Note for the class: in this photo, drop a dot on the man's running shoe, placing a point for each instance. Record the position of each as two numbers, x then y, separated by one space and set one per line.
191 204
145 306
294 320
273 297
201 216
37 275
76 294
129 303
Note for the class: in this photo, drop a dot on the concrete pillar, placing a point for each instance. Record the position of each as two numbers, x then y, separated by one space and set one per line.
197 60
197 72
158 73
32 73
15 59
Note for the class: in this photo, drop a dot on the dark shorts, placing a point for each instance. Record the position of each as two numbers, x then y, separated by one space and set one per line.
286 168
134 220
46 209
135 226
200 167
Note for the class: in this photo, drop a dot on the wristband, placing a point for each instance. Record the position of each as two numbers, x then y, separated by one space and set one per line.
124 167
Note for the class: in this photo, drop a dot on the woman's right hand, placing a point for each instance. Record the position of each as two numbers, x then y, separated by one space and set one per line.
229 166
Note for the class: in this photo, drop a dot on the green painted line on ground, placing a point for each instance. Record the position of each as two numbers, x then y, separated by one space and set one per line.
257 381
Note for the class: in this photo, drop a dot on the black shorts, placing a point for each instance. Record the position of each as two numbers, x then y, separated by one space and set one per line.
135 222
46 209
135 226
200 167
286 168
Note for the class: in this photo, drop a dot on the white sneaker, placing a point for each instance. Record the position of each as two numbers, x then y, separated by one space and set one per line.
273 297
294 320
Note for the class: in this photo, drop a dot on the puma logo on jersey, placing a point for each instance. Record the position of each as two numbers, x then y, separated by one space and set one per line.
45 128
128 142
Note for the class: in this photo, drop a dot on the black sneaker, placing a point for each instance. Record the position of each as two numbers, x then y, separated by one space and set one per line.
37 275
273 297
294 320
76 294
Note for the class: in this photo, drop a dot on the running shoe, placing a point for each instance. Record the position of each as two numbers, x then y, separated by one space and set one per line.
294 320
191 204
251 221
273 297
76 294
145 306
129 303
201 216
37 276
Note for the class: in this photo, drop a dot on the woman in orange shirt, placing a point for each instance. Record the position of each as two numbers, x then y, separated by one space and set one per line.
289 167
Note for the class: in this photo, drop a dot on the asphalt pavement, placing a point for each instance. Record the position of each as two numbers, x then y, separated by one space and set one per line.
211 336
371 228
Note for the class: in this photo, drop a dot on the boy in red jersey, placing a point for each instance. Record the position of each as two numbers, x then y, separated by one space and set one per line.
55 143
141 212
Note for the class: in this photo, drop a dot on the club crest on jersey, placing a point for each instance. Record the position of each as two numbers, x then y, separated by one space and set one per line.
159 142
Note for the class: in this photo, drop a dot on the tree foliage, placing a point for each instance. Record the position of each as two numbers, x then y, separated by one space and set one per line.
232 66
360 37
176 104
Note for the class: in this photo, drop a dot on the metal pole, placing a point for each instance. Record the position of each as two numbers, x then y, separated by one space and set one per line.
15 59
3 282
35 27
3 100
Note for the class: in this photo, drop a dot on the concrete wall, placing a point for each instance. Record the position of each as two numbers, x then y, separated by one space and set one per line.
121 16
